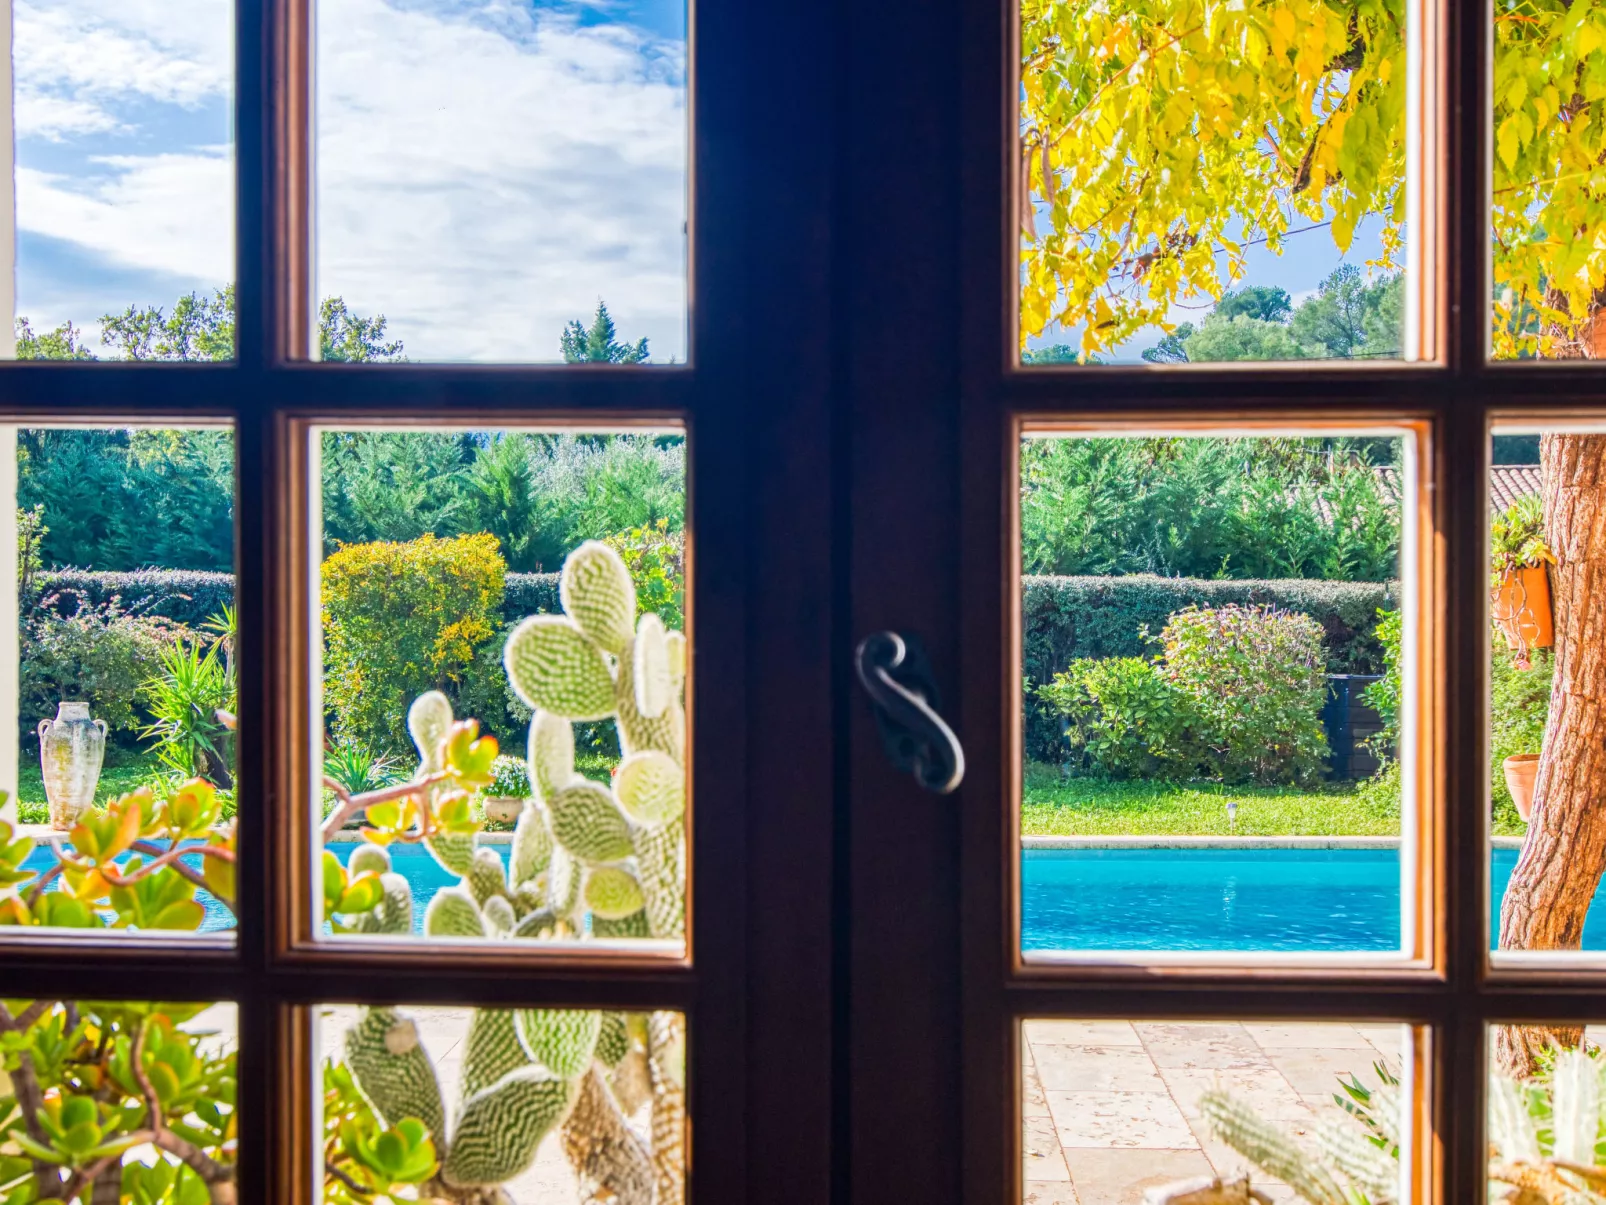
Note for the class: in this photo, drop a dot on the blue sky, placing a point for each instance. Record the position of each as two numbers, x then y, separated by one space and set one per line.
486 169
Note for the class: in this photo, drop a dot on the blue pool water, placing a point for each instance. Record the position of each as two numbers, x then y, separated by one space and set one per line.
1228 899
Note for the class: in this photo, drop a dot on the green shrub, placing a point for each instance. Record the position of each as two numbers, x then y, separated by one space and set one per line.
96 653
1519 704
1125 719
656 559
1257 679
402 619
186 596
193 686
1383 696
1069 617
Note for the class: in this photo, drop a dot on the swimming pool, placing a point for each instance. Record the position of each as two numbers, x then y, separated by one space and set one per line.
1228 899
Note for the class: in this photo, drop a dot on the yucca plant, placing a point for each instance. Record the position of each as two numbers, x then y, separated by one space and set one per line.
358 768
191 700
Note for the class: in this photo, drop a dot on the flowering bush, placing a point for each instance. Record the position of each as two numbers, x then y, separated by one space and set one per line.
1125 719
1257 679
656 558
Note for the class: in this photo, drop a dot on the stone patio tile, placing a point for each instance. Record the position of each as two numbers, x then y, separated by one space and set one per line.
1032 1103
1050 1193
1121 1177
1265 1091
1311 1034
1317 1072
1212 1046
1040 1149
1101 1120
1081 1033
1228 1162
1096 1069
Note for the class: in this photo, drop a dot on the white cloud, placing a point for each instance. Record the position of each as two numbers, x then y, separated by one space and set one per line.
170 213
40 116
486 176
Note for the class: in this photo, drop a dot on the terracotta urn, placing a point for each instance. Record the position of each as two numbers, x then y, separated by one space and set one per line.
1521 770
505 809
71 749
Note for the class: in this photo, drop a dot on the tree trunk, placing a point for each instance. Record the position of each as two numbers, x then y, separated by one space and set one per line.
1564 853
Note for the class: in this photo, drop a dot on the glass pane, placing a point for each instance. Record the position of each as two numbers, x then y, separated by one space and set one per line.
1545 1112
1547 513
124 697
1214 182
90 1120
487 595
526 1106
1548 105
123 226
1216 630
490 175
1112 1110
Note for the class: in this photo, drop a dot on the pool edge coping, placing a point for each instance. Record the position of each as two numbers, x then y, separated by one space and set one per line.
1117 842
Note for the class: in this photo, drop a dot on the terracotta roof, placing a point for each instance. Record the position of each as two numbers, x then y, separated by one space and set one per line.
1508 482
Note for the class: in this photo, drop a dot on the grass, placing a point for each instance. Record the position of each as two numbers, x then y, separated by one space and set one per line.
123 772
1056 806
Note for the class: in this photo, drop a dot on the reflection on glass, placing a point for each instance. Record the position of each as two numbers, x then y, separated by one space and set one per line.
1207 183
1114 1109
503 685
520 1106
487 172
1213 632
119 1101
124 180
1545 1113
1547 557
1549 102
123 812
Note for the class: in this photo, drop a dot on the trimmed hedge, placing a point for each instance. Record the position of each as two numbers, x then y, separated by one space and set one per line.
187 596
1069 617
194 597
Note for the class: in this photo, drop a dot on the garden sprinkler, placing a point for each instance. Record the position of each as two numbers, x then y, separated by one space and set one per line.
1232 813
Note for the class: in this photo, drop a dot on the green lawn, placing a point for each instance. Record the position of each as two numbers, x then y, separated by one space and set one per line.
123 772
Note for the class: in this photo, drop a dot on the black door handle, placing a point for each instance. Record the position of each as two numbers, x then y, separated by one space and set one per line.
898 679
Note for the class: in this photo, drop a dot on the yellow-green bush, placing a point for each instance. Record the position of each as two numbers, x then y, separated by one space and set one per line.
401 619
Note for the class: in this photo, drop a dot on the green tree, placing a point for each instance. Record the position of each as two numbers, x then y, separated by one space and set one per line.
1241 338
1346 316
345 337
199 328
1059 353
596 345
66 342
1265 302
1172 347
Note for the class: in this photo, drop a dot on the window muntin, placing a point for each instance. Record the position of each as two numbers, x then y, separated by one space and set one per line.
465 211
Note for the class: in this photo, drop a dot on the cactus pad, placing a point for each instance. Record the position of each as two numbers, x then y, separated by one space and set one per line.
366 857
634 925
492 1049
551 752
429 719
655 686
393 1069
453 913
612 893
485 877
395 911
562 882
664 731
502 1127
587 823
676 647
613 1039
561 1039
500 919
597 593
532 845
651 788
552 666
454 851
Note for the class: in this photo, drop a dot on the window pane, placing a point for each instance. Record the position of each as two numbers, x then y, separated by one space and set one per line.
1113 1109
489 174
1548 511
529 1104
1548 105
503 685
124 180
124 698
76 1103
1215 632
1203 183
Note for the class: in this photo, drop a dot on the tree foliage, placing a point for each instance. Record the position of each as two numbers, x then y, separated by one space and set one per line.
1160 139
596 344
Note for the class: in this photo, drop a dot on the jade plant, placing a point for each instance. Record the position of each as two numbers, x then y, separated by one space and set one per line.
525 1073
91 1081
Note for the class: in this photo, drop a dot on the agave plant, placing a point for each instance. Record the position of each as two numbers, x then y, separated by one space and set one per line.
358 768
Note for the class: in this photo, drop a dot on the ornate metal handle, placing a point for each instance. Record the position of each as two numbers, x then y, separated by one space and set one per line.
895 674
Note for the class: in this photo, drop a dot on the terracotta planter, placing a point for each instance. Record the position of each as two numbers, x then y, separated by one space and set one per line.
1521 771
71 749
503 808
1520 606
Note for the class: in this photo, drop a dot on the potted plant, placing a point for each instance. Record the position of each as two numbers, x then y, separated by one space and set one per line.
1519 594
1521 769
510 787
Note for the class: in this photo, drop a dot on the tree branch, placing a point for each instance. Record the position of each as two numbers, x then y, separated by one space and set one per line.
168 858
351 804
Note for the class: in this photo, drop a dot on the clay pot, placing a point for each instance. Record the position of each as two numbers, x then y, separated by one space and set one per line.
503 808
1521 770
71 749
1520 605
